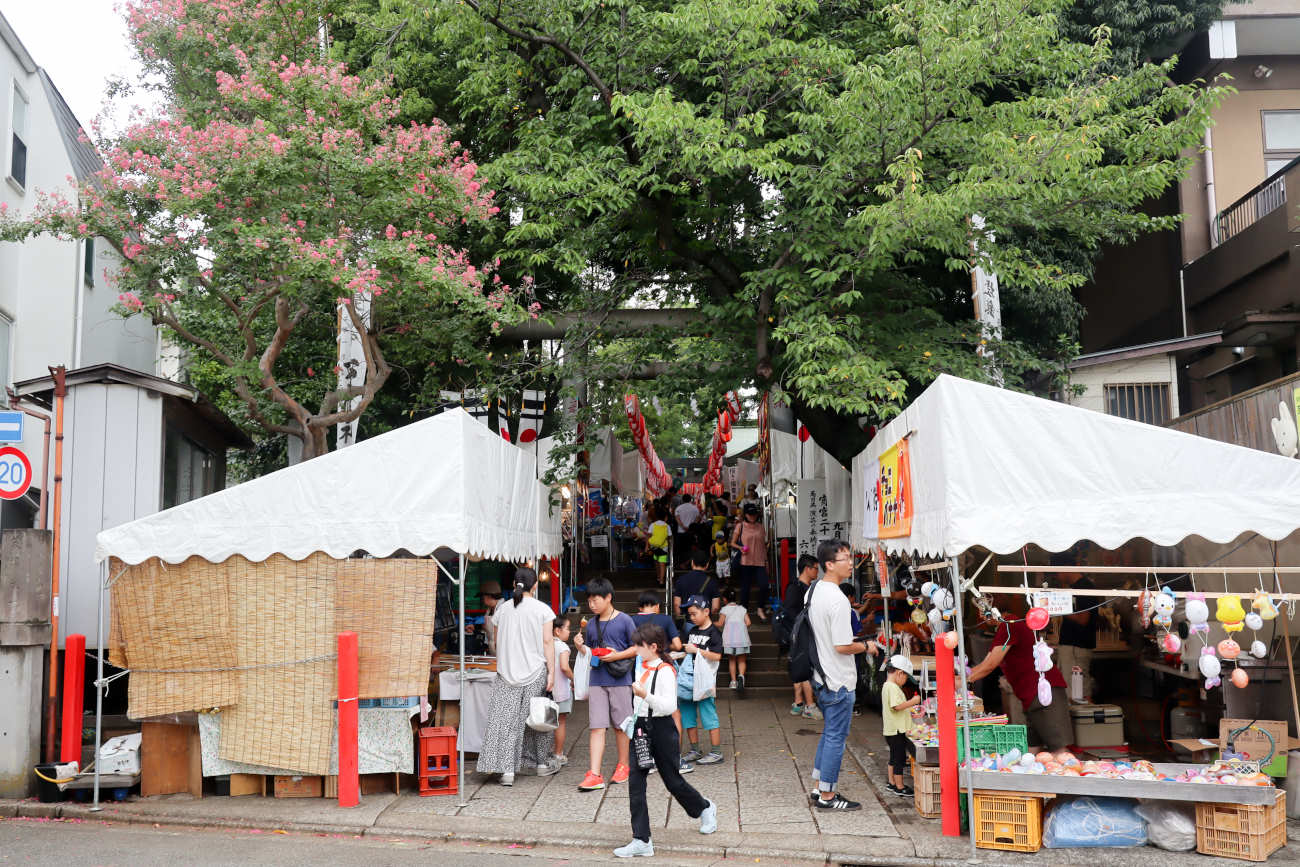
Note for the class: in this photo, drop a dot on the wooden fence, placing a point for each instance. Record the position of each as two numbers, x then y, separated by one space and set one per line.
1243 419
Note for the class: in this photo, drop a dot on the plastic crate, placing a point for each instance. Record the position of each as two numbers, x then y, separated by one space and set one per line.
1241 831
925 780
437 768
1000 739
1013 823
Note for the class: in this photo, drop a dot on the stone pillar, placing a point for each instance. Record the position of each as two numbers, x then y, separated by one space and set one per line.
24 639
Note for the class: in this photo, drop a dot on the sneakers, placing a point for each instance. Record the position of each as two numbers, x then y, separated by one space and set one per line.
907 792
740 685
550 768
839 802
591 782
733 685
693 755
709 819
562 759
507 779
621 773
796 709
813 713
711 759
636 849
684 767
892 789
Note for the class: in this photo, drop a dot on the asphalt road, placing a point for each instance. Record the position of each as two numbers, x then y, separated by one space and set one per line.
104 844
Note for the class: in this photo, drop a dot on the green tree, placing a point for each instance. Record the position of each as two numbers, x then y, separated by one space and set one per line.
1140 30
803 173
272 195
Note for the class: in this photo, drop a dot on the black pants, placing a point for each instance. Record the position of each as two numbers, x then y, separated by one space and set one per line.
755 577
900 747
667 753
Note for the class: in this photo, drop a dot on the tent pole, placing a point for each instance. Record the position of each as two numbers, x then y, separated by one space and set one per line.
460 741
955 573
99 683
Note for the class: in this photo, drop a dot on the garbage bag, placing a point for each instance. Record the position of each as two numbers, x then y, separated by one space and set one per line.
1094 822
1170 825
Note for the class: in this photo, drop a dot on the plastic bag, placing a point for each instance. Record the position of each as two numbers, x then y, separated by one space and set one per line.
1093 822
582 674
1170 825
543 714
706 678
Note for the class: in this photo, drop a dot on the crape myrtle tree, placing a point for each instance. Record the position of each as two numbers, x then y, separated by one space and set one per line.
804 173
270 188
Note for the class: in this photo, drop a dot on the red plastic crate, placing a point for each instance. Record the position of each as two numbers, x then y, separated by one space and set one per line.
437 766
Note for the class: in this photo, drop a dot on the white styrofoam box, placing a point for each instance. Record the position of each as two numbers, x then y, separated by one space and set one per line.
120 755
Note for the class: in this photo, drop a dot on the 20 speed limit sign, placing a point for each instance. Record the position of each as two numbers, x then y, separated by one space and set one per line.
15 473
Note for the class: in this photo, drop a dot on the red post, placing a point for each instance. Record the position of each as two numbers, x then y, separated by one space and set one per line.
74 696
784 566
555 584
949 798
349 779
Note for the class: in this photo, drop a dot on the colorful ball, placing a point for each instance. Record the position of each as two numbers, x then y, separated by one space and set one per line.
1037 618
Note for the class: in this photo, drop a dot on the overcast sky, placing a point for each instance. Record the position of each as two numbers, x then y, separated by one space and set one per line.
81 43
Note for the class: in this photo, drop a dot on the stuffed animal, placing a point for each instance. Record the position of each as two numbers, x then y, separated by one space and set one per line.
1230 613
1210 667
1163 605
1042 656
1284 430
1197 613
1265 605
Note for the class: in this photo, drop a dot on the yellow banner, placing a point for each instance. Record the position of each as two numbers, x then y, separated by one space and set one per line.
895 516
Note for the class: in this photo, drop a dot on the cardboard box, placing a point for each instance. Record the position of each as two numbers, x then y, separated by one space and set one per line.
1255 745
299 787
1097 725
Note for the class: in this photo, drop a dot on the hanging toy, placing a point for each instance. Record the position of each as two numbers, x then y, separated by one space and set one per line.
1198 613
1240 678
1229 649
1210 667
1265 605
1037 618
1230 613
1043 664
1257 649
937 626
1254 622
918 616
1145 605
1163 606
1172 643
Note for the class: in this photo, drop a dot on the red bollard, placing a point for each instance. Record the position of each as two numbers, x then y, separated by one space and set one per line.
74 697
946 698
555 585
349 778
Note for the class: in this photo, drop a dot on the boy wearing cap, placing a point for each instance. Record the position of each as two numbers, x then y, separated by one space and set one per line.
703 639
894 708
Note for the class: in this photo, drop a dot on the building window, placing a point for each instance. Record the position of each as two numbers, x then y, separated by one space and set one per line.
1281 139
88 266
1146 401
18 134
189 470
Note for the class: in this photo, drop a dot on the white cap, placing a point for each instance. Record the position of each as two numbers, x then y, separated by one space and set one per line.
902 663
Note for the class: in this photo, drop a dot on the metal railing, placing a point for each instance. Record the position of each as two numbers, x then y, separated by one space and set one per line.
1257 204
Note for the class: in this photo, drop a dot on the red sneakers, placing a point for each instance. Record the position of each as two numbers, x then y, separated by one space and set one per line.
592 782
620 774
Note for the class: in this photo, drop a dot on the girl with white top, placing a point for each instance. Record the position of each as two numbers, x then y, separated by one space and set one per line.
525 669
563 692
656 700
734 620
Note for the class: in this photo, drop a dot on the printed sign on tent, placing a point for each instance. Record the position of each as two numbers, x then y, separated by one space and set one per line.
815 524
894 518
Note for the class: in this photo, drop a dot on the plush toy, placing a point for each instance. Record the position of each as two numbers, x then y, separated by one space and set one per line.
1043 664
1265 605
1210 667
1284 430
1163 605
1230 613
1197 613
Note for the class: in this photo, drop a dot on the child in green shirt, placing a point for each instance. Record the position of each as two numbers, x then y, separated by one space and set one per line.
894 707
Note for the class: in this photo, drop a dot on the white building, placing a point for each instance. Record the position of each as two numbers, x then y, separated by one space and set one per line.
1135 382
55 306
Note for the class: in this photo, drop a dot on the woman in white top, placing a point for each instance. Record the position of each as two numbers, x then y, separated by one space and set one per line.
525 669
656 700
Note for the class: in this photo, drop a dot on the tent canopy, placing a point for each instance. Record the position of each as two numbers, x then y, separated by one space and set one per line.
446 481
999 469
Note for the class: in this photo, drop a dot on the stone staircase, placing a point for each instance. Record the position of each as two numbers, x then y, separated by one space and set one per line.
767 676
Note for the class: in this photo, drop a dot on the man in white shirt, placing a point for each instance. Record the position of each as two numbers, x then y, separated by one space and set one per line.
836 680
687 514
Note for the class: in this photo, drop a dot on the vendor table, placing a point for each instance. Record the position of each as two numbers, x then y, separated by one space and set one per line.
1162 790
473 704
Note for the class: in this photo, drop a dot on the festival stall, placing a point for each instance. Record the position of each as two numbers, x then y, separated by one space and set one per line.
969 466
233 601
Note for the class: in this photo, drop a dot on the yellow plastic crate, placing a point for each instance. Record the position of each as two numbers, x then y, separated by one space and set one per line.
1242 831
1013 823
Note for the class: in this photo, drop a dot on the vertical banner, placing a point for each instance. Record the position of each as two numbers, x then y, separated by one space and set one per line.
530 415
814 523
988 304
352 362
894 518
764 440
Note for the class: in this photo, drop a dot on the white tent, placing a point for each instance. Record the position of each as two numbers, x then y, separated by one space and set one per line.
444 482
632 478
1001 469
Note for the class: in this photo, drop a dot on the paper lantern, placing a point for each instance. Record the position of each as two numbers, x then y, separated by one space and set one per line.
1037 618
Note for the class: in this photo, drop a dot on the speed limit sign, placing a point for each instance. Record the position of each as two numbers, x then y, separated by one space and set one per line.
15 473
